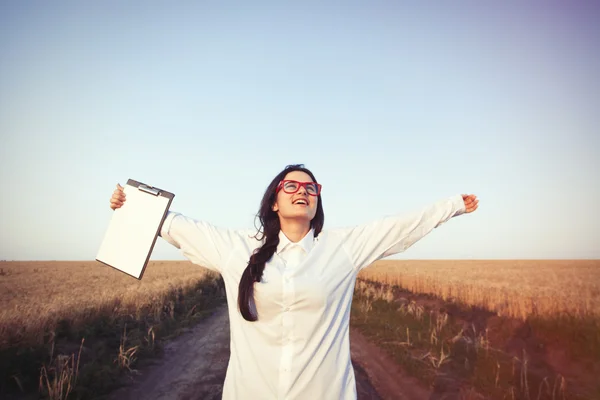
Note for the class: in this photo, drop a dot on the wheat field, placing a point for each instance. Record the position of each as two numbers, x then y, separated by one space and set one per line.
34 296
514 288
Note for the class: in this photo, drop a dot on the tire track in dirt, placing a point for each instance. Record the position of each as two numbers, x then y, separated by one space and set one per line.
382 373
195 363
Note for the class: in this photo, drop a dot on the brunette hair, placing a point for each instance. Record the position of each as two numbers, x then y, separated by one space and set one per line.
269 229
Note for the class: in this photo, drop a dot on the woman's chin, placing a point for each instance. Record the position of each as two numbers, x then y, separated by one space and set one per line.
299 215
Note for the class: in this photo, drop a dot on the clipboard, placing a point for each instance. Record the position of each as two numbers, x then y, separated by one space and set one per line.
133 228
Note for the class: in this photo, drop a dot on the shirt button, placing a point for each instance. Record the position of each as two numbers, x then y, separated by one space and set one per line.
287 309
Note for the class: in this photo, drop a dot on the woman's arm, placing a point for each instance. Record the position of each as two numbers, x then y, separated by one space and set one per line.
200 242
384 237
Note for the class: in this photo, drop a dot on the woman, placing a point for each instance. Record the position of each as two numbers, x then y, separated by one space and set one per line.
289 287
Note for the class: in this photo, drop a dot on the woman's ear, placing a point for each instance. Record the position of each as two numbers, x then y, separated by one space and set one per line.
275 207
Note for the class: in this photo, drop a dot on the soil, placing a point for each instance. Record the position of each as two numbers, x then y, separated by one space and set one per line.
194 366
381 373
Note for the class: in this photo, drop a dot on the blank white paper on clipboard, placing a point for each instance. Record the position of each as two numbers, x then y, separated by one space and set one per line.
134 228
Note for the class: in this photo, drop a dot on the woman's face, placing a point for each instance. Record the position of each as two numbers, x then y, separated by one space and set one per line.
299 205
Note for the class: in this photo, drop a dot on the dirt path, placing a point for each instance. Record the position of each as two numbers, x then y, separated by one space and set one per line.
195 363
193 366
382 373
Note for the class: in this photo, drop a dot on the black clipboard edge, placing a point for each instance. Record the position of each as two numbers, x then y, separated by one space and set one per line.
162 193
123 272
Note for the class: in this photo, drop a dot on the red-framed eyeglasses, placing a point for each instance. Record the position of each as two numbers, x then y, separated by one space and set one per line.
291 187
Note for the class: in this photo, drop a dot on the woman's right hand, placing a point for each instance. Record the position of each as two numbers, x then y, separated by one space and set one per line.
118 198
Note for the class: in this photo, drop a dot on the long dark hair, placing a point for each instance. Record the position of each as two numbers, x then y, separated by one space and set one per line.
269 229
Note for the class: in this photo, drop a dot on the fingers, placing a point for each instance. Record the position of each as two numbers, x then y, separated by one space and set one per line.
471 202
118 198
473 206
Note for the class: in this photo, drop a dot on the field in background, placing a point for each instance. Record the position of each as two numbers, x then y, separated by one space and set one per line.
507 329
51 313
502 329
511 288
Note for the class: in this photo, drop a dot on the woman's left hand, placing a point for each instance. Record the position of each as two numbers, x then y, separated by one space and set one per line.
471 202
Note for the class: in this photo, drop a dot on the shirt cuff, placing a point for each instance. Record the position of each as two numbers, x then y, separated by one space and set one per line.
164 230
458 204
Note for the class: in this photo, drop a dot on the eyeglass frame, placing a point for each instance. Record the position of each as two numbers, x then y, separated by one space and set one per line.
300 184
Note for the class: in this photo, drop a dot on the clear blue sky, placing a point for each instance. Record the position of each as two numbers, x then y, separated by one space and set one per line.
393 106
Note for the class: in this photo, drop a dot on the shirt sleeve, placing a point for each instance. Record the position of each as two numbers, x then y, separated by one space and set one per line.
200 242
390 235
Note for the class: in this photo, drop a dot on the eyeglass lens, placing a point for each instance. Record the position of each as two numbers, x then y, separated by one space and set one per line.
292 187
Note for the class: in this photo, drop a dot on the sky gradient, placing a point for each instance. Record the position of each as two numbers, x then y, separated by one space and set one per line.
392 106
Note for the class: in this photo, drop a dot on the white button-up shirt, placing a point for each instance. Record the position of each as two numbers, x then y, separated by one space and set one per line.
299 348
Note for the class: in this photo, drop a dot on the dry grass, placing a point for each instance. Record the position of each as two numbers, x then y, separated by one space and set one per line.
59 379
48 310
34 296
507 329
437 348
511 288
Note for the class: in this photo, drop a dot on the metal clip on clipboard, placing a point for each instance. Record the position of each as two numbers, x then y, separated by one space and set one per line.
149 189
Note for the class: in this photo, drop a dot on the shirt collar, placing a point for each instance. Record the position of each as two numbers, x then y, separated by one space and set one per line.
306 243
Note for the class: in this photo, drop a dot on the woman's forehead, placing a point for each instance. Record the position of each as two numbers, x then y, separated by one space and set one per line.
299 176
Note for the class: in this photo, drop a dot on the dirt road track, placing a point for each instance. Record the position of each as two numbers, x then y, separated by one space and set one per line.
195 363
382 373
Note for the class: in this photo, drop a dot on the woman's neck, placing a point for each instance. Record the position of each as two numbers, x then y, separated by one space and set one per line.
295 231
